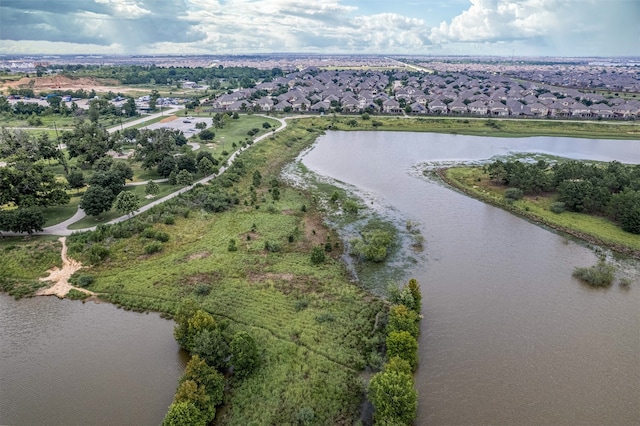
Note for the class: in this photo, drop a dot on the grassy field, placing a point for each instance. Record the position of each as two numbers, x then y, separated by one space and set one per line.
315 327
599 230
317 330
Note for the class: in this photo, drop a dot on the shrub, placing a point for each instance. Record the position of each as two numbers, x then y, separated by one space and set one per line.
162 237
272 247
557 207
98 253
74 294
599 275
305 416
202 289
301 304
154 247
403 345
184 414
245 355
232 245
402 318
513 194
395 400
169 220
85 280
317 256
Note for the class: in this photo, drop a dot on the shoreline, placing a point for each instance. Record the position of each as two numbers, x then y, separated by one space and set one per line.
588 238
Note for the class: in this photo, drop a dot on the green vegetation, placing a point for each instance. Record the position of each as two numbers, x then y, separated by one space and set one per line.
599 275
544 207
376 239
21 264
313 329
391 391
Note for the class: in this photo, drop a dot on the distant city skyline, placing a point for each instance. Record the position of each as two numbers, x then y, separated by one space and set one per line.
421 27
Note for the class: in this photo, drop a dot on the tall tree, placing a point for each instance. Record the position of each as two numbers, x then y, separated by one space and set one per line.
96 200
127 202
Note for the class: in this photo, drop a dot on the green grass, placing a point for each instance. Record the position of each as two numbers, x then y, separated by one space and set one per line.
139 190
475 182
313 351
28 258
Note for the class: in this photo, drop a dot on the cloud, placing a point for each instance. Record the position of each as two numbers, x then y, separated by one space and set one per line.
295 25
552 27
567 26
132 24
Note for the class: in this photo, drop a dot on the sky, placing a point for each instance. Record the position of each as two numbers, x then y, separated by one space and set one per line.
419 27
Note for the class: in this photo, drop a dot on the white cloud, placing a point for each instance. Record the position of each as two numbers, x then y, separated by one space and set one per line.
125 8
498 19
573 27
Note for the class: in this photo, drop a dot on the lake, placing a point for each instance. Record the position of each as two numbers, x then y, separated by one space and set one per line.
508 335
65 362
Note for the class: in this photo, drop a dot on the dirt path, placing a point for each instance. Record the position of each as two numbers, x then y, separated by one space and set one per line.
60 277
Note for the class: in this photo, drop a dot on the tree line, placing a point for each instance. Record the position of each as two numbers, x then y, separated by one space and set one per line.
611 190
151 74
216 351
391 391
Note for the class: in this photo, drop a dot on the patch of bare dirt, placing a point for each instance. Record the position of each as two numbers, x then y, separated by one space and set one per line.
60 277
62 82
314 230
168 119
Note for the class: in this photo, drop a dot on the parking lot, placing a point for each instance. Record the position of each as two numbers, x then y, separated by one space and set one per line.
186 124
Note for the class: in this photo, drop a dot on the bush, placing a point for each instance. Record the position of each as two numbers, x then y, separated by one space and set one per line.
513 194
98 253
599 275
557 207
162 237
154 247
184 414
403 345
232 245
317 256
393 397
85 280
202 289
402 318
245 356
74 294
272 247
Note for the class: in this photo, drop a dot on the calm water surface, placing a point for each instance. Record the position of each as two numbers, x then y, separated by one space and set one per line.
69 363
508 336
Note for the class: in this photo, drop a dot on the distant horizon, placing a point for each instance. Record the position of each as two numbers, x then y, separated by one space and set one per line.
327 54
495 28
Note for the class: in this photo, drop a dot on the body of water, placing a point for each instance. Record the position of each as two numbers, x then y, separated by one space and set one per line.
63 362
508 336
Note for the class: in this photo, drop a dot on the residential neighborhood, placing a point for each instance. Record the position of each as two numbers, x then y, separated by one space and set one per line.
473 93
